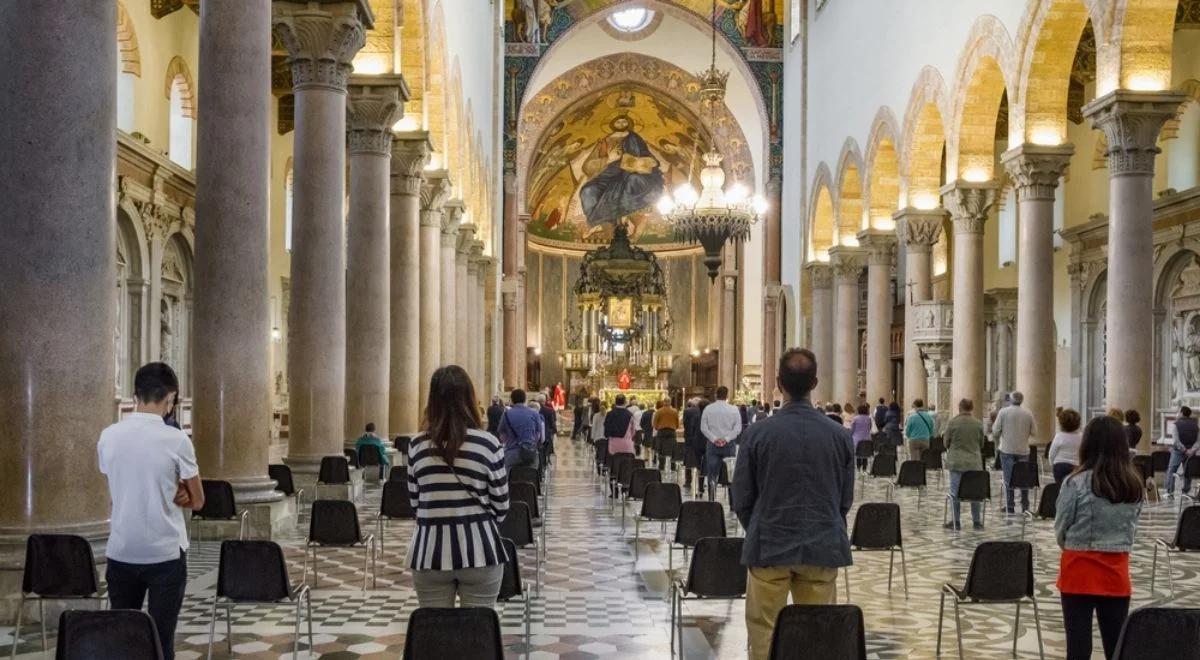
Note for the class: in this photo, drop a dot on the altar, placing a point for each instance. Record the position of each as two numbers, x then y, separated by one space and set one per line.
645 397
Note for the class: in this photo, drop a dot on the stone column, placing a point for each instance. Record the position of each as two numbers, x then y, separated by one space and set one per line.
58 272
772 290
450 346
231 339
727 358
376 102
433 197
481 314
918 230
969 204
472 312
1131 121
511 296
822 329
462 288
881 258
1035 171
847 264
410 153
321 40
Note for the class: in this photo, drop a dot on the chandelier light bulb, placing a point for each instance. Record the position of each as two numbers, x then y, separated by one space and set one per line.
760 205
686 195
737 194
665 204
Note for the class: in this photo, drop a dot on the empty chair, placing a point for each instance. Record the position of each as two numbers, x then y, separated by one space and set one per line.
334 471
624 476
863 452
932 458
600 447
107 635
1025 476
636 489
462 633
716 573
937 443
400 442
660 503
1000 572
517 526
334 524
511 585
398 473
1187 539
988 452
975 486
1160 460
828 632
282 475
351 458
697 520
1047 503
912 475
615 463
255 573
524 491
1191 474
394 505
884 465
1160 633
57 567
219 506
529 475
371 456
877 529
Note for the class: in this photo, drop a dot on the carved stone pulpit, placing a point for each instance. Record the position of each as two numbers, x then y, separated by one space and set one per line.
934 334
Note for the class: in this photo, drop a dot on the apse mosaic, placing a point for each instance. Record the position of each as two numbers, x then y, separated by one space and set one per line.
610 157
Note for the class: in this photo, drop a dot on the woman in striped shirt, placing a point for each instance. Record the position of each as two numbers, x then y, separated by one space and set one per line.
459 488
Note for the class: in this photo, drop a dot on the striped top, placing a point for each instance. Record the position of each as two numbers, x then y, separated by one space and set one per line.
457 509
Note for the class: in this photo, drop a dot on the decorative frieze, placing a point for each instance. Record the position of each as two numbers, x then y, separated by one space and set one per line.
969 203
1131 122
1036 169
321 40
374 104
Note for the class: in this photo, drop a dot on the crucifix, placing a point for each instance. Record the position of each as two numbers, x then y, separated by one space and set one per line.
909 286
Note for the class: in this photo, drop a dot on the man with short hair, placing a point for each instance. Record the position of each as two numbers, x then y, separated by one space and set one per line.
550 417
880 415
520 431
693 446
494 413
1185 447
720 424
1013 428
666 424
369 439
919 430
792 490
152 478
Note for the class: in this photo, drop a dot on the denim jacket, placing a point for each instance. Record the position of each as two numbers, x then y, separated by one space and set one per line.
1087 522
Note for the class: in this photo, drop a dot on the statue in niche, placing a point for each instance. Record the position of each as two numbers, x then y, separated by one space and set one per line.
165 326
1185 359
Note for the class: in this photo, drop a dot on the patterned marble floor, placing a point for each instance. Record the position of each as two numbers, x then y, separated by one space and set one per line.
597 601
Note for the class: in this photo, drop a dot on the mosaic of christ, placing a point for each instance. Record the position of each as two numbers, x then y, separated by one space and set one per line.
609 159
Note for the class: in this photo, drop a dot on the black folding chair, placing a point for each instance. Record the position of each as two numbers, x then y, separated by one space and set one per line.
522 491
912 475
255 573
462 633
351 458
1047 507
697 520
400 442
334 524
107 635
932 458
219 506
660 503
828 632
334 471
877 529
511 586
615 466
57 567
393 505
398 473
863 452
600 447
975 486
625 476
883 466
284 483
1000 572
1187 539
517 526
988 452
531 476
716 573
1024 477
371 456
1160 633
636 490
1191 473
1160 461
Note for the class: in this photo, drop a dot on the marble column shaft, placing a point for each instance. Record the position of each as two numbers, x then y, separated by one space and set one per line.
881 257
376 102
918 230
727 358
462 287
57 275
1035 171
822 329
434 194
772 290
321 41
969 204
410 153
232 317
451 346
847 264
512 298
473 266
1131 121
482 313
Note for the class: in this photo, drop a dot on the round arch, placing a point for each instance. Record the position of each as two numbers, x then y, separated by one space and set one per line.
179 73
413 55
1145 33
924 140
849 208
1047 41
881 192
127 43
436 90
821 222
985 75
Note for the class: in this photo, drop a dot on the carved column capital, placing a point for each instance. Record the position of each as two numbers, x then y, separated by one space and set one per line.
969 203
373 104
847 263
435 190
321 40
452 219
880 246
821 274
410 154
1131 122
919 229
1036 169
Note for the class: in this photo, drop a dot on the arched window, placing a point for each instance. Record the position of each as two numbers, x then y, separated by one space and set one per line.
180 126
287 210
125 101
129 67
1007 227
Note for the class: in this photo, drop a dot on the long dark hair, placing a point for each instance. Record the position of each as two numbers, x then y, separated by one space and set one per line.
450 411
1105 452
595 405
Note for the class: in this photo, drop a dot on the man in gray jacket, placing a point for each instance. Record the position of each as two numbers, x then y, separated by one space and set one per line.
1013 428
792 490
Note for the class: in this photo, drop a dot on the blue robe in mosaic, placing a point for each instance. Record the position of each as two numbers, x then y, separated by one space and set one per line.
626 185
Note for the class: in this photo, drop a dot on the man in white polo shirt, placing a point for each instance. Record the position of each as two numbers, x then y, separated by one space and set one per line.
152 478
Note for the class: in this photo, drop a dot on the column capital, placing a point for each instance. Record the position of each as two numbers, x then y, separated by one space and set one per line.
321 39
452 219
410 155
435 190
508 299
847 263
1035 169
969 203
919 229
1131 122
880 246
466 236
373 104
821 274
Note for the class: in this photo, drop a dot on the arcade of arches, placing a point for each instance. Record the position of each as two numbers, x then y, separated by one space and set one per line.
307 206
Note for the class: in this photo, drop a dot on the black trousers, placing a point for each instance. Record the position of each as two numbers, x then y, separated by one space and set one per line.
1077 619
165 582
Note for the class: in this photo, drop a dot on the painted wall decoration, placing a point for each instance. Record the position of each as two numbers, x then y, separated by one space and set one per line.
609 157
755 23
